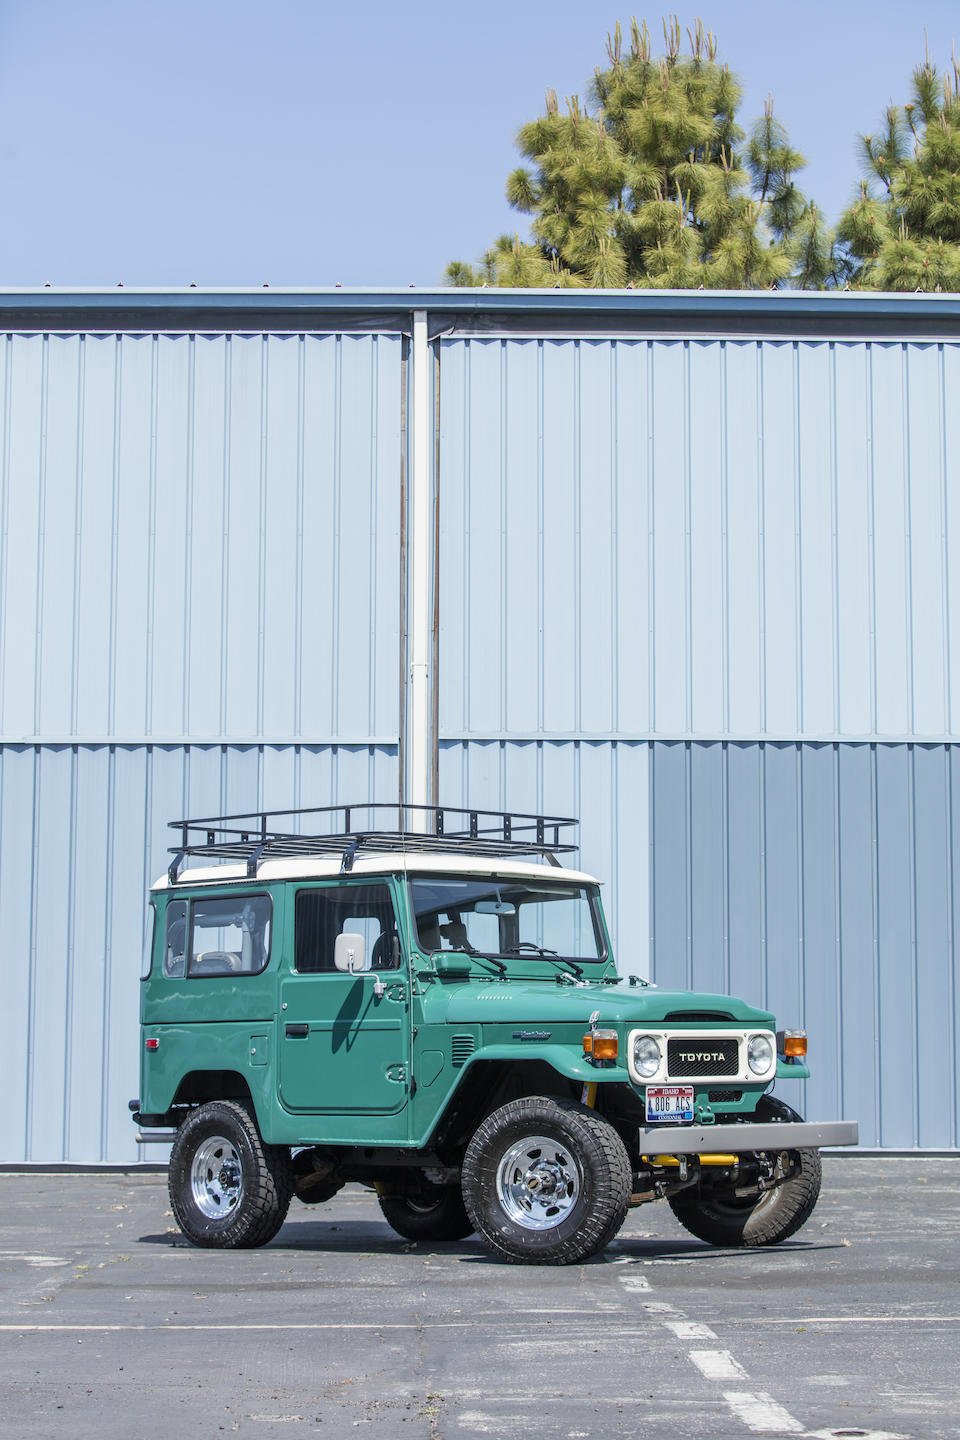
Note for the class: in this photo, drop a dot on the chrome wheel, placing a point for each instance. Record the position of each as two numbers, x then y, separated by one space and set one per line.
538 1182
216 1178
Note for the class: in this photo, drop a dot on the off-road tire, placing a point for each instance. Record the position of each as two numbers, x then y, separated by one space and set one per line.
602 1164
433 1212
716 1215
265 1176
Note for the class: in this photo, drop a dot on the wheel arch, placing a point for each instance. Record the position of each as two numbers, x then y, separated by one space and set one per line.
199 1086
486 1084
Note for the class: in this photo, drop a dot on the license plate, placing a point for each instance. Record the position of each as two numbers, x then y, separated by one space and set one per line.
671 1103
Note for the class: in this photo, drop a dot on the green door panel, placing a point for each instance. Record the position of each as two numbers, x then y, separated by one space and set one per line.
343 1048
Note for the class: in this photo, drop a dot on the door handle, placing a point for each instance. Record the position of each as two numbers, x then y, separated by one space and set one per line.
297 1032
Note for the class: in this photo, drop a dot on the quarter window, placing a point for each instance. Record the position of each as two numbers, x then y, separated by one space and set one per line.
175 950
230 935
148 941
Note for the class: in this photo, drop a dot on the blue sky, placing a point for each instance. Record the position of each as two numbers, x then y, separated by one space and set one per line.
316 143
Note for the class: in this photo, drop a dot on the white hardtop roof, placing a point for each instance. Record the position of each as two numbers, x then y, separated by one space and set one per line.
324 867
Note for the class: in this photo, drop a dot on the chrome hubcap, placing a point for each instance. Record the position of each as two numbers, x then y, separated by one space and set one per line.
538 1182
216 1178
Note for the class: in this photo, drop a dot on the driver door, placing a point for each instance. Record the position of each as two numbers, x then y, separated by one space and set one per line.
344 1039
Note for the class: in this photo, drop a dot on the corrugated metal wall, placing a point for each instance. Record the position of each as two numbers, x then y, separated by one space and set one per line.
197 532
696 541
701 592
823 880
687 538
200 542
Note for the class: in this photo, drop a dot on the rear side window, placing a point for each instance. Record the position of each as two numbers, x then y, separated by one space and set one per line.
229 936
323 914
224 936
175 951
148 941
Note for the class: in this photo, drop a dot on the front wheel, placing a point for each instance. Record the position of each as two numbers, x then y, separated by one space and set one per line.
228 1190
546 1182
715 1213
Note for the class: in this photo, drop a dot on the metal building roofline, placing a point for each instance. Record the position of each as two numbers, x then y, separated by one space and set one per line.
480 309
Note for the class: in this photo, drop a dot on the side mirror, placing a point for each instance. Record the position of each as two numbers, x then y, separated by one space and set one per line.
349 953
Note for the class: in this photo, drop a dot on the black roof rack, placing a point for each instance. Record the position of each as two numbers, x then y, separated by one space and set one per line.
256 836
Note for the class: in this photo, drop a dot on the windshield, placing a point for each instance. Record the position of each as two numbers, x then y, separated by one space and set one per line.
506 917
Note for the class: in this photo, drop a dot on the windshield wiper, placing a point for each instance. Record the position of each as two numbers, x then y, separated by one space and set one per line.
553 955
474 955
479 955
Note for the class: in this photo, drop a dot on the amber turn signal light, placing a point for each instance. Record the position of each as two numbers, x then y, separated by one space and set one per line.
600 1044
795 1043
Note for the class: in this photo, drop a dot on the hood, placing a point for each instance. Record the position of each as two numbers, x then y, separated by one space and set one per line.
530 1002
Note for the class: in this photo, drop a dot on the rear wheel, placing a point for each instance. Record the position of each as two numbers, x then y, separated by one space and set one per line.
546 1182
715 1213
430 1212
228 1190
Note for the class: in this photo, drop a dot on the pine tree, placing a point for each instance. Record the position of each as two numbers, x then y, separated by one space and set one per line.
655 187
903 231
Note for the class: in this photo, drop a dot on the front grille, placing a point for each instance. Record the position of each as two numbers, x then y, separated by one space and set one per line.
697 1017
702 1055
461 1048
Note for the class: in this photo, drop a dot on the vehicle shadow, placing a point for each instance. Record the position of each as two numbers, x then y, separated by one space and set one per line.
372 1237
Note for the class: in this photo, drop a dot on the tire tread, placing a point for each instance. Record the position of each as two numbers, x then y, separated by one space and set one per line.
267 1189
612 1181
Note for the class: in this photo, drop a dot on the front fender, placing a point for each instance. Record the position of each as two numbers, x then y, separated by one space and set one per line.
560 1058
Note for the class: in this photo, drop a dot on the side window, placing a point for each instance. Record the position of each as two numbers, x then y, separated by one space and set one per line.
174 955
326 912
229 936
149 939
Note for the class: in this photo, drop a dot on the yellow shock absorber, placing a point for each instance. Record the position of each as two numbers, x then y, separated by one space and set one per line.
588 1095
668 1161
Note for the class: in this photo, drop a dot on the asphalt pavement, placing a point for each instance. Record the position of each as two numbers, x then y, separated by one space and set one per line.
111 1325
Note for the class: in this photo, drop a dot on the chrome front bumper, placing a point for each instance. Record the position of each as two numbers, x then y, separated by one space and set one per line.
737 1139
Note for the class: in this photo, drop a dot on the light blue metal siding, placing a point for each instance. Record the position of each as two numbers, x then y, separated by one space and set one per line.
714 540
200 537
699 537
642 540
822 880
82 836
200 541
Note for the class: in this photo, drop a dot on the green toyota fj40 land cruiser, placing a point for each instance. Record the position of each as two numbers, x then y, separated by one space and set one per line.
439 1016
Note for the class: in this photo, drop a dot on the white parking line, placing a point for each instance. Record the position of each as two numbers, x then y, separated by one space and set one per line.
690 1330
41 1262
761 1413
717 1365
634 1282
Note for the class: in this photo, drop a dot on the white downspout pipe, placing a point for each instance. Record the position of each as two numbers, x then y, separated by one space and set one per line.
420 742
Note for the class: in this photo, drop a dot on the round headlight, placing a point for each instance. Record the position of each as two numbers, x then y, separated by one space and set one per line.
759 1054
646 1055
